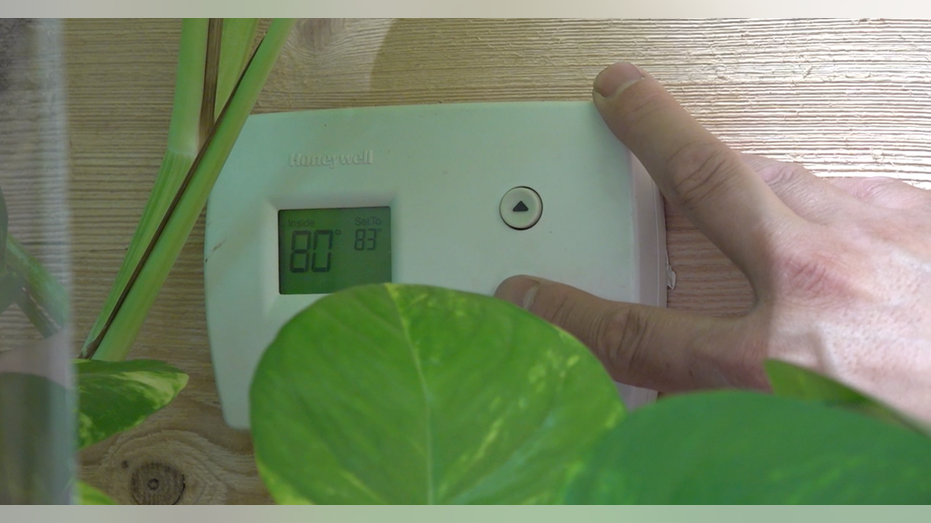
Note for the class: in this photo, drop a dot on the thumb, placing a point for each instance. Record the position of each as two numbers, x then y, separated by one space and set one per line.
653 347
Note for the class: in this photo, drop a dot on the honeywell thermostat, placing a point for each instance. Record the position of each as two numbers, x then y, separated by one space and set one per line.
459 196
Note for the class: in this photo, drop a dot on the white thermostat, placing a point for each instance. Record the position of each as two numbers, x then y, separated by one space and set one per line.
460 196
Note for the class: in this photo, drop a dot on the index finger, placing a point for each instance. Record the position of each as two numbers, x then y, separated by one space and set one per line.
695 171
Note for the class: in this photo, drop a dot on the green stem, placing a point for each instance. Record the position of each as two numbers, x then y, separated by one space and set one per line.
238 37
211 65
182 147
24 281
42 291
37 317
119 328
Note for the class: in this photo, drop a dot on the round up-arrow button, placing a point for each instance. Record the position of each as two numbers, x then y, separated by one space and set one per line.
521 208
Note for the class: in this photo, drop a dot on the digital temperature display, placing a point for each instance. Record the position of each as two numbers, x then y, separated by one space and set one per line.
325 250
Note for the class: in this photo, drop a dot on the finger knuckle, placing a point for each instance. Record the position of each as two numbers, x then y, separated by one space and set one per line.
556 303
623 342
780 175
876 188
699 170
890 192
812 272
638 106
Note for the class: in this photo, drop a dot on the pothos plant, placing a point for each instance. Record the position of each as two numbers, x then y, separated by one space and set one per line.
419 395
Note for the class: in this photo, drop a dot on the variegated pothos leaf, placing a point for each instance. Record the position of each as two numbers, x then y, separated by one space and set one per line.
117 395
406 394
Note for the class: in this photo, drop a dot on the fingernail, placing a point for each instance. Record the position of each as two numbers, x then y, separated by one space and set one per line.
518 290
613 80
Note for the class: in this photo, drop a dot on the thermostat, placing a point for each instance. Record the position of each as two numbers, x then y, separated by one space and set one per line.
460 196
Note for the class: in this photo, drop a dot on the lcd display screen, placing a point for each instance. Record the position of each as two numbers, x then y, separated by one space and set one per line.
321 251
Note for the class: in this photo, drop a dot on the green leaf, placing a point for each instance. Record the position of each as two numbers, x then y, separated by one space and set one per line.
412 394
793 381
117 396
88 495
748 448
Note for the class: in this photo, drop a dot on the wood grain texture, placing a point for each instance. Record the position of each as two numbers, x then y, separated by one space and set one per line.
843 97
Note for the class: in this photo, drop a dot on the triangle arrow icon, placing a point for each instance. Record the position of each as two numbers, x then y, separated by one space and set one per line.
520 207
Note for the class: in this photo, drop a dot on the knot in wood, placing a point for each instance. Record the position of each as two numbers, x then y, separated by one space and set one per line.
157 484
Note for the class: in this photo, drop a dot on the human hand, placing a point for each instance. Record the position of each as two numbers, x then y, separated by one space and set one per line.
840 268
